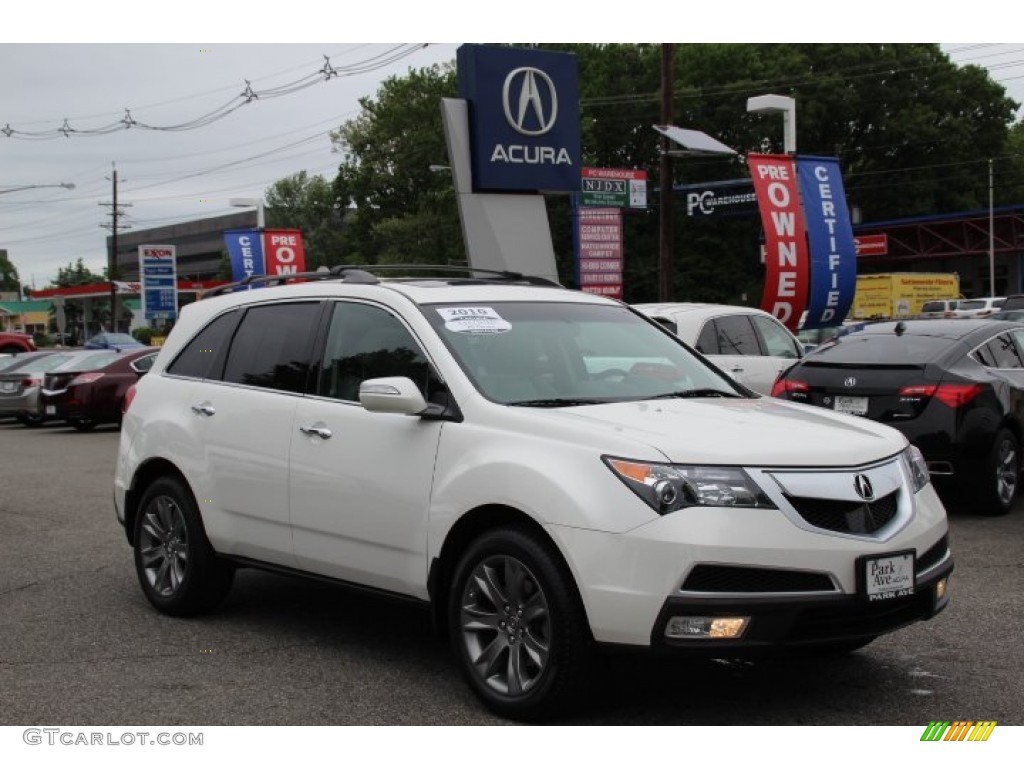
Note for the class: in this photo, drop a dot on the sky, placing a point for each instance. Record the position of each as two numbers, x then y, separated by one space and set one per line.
65 66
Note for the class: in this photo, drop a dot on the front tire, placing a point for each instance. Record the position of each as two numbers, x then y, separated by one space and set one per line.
179 572
1002 475
518 628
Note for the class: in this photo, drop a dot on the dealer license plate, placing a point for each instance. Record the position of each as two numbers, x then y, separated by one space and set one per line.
7 386
858 406
51 410
888 576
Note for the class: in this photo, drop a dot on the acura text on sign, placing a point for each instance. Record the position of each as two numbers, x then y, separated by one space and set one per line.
523 117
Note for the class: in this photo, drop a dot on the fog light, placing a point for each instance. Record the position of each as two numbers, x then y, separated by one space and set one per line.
706 627
940 590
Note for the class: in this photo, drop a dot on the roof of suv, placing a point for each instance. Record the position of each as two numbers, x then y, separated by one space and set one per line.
494 286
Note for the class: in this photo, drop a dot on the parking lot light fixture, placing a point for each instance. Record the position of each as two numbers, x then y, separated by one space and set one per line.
772 103
251 202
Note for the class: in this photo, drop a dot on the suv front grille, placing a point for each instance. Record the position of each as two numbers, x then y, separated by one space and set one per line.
847 516
729 578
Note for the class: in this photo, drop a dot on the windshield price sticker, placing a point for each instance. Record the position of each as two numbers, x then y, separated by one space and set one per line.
473 320
889 577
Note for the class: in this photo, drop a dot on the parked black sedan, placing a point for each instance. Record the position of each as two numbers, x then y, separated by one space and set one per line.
955 388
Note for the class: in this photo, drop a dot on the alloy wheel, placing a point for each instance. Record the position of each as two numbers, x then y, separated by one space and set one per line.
506 625
1007 471
163 546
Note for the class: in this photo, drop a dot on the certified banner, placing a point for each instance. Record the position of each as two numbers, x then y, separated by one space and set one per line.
786 266
830 235
285 254
245 249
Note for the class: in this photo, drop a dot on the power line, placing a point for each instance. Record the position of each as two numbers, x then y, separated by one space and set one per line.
327 72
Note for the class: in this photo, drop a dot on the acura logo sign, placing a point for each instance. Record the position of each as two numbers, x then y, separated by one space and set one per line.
530 101
862 485
850 382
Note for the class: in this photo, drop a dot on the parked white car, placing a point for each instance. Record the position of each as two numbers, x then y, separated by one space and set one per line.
547 470
979 307
747 343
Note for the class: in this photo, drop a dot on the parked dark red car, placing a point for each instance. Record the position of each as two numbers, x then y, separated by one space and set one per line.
12 342
85 398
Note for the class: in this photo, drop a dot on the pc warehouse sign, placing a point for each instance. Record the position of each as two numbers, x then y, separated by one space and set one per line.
524 118
158 270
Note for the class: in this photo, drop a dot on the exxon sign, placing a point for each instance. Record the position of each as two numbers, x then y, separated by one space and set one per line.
524 118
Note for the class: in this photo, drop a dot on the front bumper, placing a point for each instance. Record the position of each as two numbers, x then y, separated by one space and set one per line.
778 623
797 584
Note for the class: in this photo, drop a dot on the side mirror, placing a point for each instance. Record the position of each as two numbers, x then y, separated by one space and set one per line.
393 394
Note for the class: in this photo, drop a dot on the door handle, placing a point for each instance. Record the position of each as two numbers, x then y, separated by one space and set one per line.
204 408
319 429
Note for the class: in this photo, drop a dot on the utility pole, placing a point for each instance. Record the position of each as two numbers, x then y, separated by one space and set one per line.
115 213
666 221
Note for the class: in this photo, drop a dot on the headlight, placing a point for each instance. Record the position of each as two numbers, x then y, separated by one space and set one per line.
668 487
917 468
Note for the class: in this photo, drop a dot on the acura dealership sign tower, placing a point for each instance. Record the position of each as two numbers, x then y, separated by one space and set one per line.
514 131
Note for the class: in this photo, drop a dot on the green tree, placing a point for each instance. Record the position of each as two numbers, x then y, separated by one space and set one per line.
9 280
76 273
402 210
308 203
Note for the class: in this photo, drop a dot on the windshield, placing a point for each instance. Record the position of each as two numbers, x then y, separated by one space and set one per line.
551 354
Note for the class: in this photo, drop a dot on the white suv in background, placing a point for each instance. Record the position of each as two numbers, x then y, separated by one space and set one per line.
749 344
548 470
979 307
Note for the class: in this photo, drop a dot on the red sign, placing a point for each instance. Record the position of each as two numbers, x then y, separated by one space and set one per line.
872 245
786 259
600 251
285 255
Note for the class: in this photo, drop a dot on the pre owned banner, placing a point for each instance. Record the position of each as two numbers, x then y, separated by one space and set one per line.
833 258
786 264
245 250
285 255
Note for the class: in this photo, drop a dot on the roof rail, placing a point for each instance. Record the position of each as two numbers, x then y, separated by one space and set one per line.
367 274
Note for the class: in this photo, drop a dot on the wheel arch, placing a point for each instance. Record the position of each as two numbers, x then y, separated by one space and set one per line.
144 476
466 529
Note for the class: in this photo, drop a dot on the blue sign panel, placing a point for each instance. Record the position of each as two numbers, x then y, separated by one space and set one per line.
830 236
158 271
524 118
245 248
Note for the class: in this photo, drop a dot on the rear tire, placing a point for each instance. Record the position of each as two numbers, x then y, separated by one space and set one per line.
1001 479
30 419
179 572
517 625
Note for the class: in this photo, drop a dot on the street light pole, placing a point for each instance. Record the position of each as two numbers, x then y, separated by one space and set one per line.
991 235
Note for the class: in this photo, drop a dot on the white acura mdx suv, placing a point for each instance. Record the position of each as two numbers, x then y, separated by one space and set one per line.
550 471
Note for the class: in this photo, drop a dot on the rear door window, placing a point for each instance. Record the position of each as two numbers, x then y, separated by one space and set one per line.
736 336
272 346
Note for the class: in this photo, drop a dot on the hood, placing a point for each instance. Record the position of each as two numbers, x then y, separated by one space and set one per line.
750 432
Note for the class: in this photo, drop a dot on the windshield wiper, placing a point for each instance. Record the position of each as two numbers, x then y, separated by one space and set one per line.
556 402
707 392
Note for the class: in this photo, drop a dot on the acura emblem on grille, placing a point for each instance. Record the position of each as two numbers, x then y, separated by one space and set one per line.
862 485
850 382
